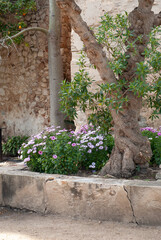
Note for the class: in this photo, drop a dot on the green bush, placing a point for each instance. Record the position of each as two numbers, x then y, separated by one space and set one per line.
12 145
66 152
52 151
95 147
155 141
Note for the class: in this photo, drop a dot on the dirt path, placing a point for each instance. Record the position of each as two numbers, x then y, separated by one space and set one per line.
18 225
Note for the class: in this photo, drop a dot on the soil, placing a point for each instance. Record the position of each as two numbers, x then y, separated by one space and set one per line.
23 225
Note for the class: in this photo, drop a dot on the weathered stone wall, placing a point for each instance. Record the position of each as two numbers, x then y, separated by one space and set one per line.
24 78
24 81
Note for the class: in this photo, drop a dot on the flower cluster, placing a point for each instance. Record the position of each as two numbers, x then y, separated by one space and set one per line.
153 130
95 146
154 136
50 152
65 152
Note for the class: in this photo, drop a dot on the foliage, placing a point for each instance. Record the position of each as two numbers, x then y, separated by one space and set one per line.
118 40
95 147
14 12
66 152
13 144
77 93
155 141
52 151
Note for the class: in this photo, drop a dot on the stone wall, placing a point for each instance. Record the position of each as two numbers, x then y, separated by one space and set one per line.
24 80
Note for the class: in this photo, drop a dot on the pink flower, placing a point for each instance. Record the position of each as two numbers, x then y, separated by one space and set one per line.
55 156
74 144
40 152
159 133
53 138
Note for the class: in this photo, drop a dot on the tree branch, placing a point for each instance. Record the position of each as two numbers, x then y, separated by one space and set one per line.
94 50
157 19
25 30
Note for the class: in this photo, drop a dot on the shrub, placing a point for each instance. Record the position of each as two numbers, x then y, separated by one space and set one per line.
12 145
52 151
155 141
95 147
66 152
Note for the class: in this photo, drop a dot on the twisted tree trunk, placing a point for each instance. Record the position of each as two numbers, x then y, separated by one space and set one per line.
131 147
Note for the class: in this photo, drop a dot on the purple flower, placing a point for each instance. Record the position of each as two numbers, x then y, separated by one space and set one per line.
89 151
89 144
159 133
101 147
53 138
74 144
69 142
55 156
58 133
92 165
100 137
27 159
29 151
40 152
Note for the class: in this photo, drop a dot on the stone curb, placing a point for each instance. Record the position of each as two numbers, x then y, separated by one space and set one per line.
126 201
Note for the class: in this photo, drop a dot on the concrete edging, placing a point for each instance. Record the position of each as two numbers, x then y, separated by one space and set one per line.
126 201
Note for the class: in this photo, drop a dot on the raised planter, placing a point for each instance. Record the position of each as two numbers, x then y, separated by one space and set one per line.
95 198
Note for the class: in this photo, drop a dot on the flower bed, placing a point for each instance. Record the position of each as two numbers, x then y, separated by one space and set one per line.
66 152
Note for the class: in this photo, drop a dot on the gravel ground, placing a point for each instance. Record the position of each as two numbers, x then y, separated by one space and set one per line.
22 225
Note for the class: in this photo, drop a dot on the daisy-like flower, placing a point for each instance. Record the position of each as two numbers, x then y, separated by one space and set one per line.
53 138
89 151
92 165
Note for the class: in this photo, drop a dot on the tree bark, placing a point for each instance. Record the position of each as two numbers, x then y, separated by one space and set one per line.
131 148
55 64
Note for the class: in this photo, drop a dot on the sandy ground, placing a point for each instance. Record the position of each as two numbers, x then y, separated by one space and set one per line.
20 225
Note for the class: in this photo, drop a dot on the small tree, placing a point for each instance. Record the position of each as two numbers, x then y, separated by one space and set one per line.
133 54
11 32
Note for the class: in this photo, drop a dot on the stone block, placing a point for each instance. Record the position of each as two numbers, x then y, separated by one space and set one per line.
23 192
88 198
146 202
